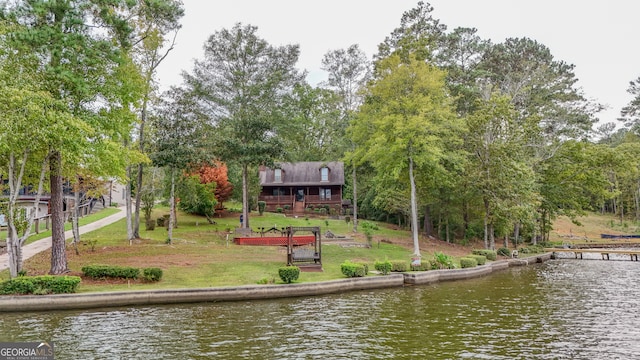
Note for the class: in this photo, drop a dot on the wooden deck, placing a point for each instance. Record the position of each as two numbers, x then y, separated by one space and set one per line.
633 253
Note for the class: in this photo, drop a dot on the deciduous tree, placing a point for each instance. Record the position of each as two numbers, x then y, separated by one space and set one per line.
242 85
80 45
405 123
348 72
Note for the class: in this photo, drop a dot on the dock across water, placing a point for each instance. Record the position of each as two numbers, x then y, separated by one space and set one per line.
633 253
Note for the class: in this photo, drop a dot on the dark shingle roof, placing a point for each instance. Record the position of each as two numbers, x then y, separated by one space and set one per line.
303 173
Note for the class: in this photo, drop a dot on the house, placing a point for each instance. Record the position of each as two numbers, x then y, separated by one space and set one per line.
302 185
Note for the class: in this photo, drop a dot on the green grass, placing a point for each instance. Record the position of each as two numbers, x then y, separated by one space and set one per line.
67 226
201 256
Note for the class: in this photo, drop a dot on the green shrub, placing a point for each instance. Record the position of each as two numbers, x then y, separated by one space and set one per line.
399 266
261 206
266 280
20 285
350 269
279 210
468 262
289 274
40 285
383 266
152 274
150 225
108 271
531 249
504 252
366 266
489 254
480 259
424 266
442 261
287 207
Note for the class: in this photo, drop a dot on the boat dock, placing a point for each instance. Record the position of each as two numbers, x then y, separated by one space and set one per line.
633 253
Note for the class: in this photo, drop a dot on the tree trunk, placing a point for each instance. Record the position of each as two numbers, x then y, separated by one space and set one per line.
516 235
355 200
58 245
136 214
486 224
143 120
447 230
76 214
492 237
414 211
15 241
172 206
127 201
428 226
245 197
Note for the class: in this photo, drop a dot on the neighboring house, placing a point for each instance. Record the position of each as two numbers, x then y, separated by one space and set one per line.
302 185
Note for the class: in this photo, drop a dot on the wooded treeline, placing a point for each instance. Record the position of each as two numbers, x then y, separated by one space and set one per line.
442 132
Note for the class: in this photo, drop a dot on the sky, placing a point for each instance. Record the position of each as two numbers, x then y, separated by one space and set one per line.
600 40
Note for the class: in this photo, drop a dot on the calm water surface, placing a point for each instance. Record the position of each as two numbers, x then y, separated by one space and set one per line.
566 309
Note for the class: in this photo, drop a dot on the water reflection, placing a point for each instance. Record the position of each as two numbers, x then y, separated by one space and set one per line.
567 309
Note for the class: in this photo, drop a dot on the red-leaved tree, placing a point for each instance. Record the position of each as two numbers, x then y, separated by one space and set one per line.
217 173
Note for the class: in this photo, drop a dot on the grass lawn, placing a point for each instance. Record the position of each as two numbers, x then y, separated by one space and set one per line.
67 226
204 255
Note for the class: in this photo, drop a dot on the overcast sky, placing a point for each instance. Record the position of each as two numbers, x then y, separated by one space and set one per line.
600 39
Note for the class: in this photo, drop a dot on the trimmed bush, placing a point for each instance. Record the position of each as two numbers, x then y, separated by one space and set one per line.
262 205
350 269
399 266
366 266
531 249
424 266
480 259
152 274
489 254
468 262
279 210
503 251
40 285
289 274
383 266
107 271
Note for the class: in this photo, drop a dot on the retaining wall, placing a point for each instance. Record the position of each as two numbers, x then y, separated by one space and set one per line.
252 292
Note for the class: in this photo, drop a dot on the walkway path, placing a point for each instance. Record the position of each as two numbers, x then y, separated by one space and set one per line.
44 244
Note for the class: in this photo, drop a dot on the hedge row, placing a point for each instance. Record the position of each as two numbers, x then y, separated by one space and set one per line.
350 269
40 285
121 272
468 262
489 254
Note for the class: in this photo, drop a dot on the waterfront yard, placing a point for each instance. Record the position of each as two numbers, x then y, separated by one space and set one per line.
204 255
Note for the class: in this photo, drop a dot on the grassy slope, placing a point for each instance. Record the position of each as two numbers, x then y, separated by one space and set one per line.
201 255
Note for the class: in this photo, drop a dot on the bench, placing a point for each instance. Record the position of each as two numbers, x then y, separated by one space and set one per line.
305 255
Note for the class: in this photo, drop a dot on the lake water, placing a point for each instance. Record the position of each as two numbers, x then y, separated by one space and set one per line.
564 309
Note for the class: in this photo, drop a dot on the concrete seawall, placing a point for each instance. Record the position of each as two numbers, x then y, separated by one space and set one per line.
252 292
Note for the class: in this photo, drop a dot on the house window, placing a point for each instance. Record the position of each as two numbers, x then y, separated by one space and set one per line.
325 194
278 191
324 174
278 175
